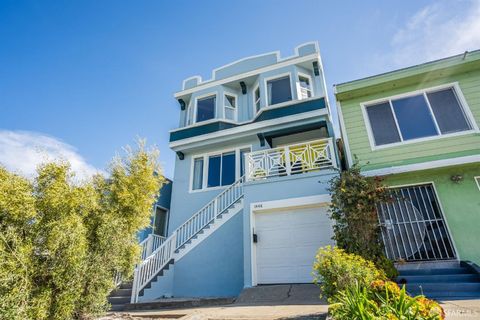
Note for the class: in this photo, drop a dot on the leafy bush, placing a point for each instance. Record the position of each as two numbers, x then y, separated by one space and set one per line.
383 300
61 242
336 270
353 209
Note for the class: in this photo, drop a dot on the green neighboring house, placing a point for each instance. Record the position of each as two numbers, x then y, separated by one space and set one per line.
418 127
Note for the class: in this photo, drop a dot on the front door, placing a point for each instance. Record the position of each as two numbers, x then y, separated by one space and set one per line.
413 227
160 223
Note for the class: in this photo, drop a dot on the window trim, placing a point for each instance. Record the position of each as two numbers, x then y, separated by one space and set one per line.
312 93
235 113
462 102
167 220
255 88
275 77
477 180
201 97
205 157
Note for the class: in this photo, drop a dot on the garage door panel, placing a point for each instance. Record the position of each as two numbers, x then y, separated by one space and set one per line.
287 244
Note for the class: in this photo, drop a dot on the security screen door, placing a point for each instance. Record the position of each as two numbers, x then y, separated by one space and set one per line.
413 227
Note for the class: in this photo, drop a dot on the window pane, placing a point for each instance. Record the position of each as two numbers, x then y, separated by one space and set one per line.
447 111
382 124
279 90
242 160
197 174
230 101
228 168
257 99
414 118
214 171
304 82
160 222
205 109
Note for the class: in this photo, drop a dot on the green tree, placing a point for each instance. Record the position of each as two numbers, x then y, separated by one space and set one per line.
61 242
353 209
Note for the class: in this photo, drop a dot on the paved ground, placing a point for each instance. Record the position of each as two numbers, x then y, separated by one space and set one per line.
462 309
282 302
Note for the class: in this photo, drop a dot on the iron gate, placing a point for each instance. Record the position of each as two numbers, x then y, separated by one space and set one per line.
413 227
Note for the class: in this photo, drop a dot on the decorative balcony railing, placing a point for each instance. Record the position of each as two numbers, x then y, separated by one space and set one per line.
289 160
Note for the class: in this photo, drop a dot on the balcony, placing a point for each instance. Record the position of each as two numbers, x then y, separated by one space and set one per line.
290 160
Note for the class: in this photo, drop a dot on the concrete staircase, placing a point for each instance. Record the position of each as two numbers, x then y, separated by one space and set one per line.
440 280
120 297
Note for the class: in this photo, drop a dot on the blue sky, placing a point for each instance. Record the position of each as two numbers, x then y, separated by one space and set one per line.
81 79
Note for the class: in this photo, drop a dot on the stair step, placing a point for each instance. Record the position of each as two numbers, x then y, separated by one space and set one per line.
446 278
446 271
126 285
121 293
443 287
119 300
117 307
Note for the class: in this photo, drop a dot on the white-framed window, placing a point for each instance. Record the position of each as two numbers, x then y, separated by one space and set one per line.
205 108
304 86
189 115
230 106
417 116
256 98
477 180
278 89
217 169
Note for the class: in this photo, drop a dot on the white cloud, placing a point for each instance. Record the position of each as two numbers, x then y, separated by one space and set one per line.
437 31
23 151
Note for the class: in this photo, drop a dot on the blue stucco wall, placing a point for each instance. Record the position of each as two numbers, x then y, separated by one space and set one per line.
309 184
215 267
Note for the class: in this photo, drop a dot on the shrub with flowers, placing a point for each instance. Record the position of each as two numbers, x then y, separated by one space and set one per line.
336 270
383 300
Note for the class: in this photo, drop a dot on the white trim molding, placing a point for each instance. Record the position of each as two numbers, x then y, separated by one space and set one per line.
423 166
343 130
477 180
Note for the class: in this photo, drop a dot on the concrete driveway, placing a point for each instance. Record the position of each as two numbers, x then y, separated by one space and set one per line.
280 302
292 302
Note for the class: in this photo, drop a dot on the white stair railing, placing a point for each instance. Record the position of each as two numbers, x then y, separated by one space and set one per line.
159 258
150 244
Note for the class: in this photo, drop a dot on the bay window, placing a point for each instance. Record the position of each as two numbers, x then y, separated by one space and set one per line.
304 87
206 108
230 107
279 90
426 114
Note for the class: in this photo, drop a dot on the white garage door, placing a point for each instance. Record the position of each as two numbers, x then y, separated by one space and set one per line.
287 243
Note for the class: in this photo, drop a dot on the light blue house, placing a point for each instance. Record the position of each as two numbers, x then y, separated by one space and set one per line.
255 150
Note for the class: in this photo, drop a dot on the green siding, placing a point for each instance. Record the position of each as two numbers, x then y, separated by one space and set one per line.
460 203
442 148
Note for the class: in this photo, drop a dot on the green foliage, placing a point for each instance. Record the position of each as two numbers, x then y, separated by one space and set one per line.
353 209
335 270
383 300
61 242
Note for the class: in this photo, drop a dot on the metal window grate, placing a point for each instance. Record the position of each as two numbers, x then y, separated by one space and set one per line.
413 227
